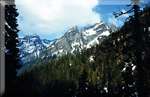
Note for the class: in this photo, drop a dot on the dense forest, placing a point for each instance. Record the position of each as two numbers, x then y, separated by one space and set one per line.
117 67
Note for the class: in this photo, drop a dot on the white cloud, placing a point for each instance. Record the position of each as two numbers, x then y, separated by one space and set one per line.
50 16
121 2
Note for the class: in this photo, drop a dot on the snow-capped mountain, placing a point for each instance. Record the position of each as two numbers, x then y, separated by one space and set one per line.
31 46
76 39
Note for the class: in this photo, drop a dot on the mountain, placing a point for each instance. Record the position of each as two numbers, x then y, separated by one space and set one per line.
31 46
75 39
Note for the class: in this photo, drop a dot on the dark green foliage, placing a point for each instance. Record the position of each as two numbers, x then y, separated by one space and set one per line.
11 39
11 50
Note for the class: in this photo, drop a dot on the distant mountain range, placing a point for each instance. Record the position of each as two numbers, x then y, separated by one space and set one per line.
31 46
74 40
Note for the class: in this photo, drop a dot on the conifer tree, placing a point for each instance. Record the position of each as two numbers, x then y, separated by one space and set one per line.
139 52
134 47
83 85
11 52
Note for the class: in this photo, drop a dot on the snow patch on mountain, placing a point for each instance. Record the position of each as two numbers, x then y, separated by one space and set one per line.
89 32
105 33
93 42
31 46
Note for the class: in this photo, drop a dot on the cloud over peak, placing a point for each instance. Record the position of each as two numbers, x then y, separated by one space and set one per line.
51 16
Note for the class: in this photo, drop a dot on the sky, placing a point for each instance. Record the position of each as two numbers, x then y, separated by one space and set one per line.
50 19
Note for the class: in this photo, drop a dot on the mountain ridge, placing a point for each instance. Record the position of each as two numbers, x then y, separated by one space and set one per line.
74 40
